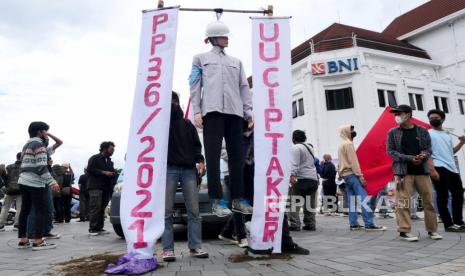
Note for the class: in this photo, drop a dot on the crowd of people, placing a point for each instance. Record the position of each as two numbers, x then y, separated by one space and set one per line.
42 194
423 161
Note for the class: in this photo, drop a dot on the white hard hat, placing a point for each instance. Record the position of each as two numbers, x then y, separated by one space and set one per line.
216 29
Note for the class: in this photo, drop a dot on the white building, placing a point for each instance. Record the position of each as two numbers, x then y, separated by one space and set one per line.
348 75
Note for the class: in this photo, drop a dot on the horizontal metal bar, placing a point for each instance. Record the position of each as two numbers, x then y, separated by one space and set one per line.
218 10
225 10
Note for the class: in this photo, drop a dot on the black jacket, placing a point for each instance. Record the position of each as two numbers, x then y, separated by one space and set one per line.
83 182
328 172
184 147
97 181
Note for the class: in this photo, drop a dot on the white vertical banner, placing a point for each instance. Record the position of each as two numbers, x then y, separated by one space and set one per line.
143 196
272 102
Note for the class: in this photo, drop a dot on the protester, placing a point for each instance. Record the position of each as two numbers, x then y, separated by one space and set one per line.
3 175
49 214
221 100
410 147
49 210
66 191
328 174
13 193
83 197
349 170
384 206
58 174
33 178
102 177
444 172
185 162
304 183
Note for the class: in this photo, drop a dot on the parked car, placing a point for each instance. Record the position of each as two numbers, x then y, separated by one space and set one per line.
180 214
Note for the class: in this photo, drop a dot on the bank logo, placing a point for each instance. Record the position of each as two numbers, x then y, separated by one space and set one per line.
335 67
318 68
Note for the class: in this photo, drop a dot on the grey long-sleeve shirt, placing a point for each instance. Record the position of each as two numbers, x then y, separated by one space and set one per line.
225 86
303 164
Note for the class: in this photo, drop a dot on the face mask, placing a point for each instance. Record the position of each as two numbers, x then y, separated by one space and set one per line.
353 134
435 122
400 119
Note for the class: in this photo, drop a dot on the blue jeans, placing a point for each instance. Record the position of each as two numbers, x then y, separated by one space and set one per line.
355 189
188 179
48 221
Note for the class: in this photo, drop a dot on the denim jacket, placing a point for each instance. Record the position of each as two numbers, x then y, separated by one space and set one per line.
400 160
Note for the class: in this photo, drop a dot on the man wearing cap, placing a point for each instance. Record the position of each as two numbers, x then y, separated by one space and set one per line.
410 147
221 101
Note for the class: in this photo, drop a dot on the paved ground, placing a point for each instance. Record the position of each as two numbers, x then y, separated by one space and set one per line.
334 251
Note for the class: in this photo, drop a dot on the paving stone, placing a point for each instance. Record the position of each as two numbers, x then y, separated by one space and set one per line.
214 273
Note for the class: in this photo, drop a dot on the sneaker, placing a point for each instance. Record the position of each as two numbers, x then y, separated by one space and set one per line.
243 243
52 236
168 256
434 236
356 227
43 246
24 245
309 228
242 206
295 249
220 208
461 226
375 228
2 228
407 237
415 217
198 253
227 238
94 233
294 228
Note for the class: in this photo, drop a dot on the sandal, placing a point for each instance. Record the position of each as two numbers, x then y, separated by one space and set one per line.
24 245
43 246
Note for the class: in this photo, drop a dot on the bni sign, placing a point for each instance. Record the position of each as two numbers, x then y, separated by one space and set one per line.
335 67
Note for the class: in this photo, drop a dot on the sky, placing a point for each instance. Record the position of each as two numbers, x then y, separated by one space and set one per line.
73 64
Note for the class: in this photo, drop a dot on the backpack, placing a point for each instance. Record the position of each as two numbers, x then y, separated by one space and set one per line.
12 186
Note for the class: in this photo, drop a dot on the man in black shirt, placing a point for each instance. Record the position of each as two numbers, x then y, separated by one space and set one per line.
83 197
101 179
410 147
185 164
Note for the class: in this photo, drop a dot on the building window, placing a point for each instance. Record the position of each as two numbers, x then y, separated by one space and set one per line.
419 99
381 99
294 109
339 99
416 101
298 108
301 107
391 98
462 110
441 103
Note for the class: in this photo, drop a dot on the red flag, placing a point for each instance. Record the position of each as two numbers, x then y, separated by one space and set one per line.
372 154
